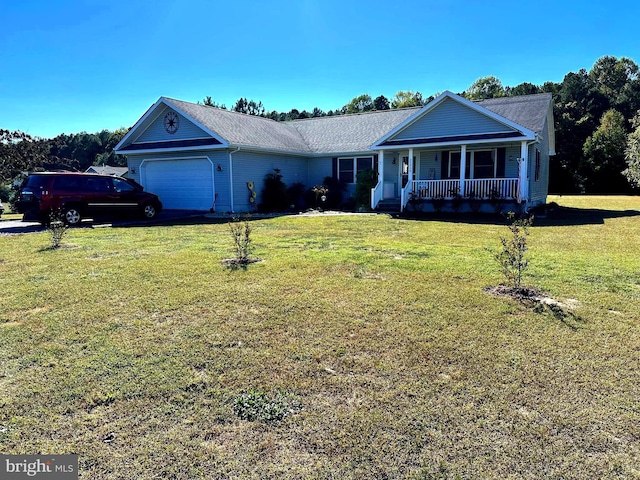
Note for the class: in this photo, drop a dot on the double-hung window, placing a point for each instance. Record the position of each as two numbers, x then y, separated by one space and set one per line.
349 167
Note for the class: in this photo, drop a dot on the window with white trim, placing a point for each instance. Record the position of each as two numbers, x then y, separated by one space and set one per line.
479 164
537 170
350 167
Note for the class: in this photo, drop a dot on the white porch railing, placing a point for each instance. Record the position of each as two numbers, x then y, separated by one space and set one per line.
485 188
435 188
405 195
491 188
376 194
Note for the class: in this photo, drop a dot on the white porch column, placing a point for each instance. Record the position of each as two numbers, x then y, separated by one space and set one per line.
524 175
410 178
381 167
463 167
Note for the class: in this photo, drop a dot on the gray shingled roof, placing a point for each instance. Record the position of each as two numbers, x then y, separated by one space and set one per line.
349 133
530 111
239 129
341 133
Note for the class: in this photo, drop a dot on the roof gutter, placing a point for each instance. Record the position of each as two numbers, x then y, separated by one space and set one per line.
231 176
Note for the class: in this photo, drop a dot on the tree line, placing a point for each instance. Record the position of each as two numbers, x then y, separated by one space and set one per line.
597 124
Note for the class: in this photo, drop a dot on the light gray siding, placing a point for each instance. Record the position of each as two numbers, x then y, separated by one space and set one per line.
156 132
451 118
429 168
539 189
318 170
253 166
511 162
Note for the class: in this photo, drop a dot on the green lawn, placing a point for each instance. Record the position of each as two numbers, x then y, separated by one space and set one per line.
129 347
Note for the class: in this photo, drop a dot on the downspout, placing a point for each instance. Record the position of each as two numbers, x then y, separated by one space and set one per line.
231 176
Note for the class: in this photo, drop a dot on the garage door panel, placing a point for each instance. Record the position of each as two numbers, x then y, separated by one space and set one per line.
180 184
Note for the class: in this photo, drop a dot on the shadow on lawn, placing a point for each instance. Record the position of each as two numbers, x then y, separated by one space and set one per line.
550 217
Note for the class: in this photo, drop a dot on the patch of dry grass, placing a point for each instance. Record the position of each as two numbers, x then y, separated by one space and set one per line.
131 347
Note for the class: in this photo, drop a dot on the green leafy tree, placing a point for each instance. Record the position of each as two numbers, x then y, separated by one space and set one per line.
381 103
20 152
604 153
524 88
361 103
108 155
249 107
208 101
293 114
485 87
407 98
632 154
617 80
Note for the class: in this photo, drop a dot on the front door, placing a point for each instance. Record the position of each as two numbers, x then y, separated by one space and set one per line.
404 171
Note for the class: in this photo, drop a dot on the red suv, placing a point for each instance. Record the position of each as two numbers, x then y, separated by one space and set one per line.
79 195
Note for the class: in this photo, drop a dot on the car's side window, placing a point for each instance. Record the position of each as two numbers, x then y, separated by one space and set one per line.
121 186
66 183
97 184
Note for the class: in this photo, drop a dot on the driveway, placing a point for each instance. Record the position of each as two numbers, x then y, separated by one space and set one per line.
167 216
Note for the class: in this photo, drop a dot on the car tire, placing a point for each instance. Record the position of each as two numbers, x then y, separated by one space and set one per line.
71 216
149 211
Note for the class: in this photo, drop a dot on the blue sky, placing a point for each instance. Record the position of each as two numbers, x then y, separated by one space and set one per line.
72 66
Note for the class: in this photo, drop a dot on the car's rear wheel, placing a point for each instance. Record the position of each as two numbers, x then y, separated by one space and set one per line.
149 211
71 216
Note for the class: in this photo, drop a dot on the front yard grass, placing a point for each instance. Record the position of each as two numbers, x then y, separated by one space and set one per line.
129 347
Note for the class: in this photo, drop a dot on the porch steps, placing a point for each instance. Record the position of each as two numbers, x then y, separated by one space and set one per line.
389 205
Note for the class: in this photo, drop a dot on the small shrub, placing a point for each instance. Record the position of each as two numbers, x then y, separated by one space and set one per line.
335 191
475 202
274 193
438 203
319 196
295 195
511 257
456 198
57 228
365 181
258 406
497 200
241 234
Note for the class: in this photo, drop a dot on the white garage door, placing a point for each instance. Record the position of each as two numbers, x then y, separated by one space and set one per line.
181 184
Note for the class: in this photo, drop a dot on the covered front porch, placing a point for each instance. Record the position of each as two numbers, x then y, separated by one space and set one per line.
484 172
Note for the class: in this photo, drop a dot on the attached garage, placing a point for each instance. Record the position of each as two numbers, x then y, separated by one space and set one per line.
181 184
